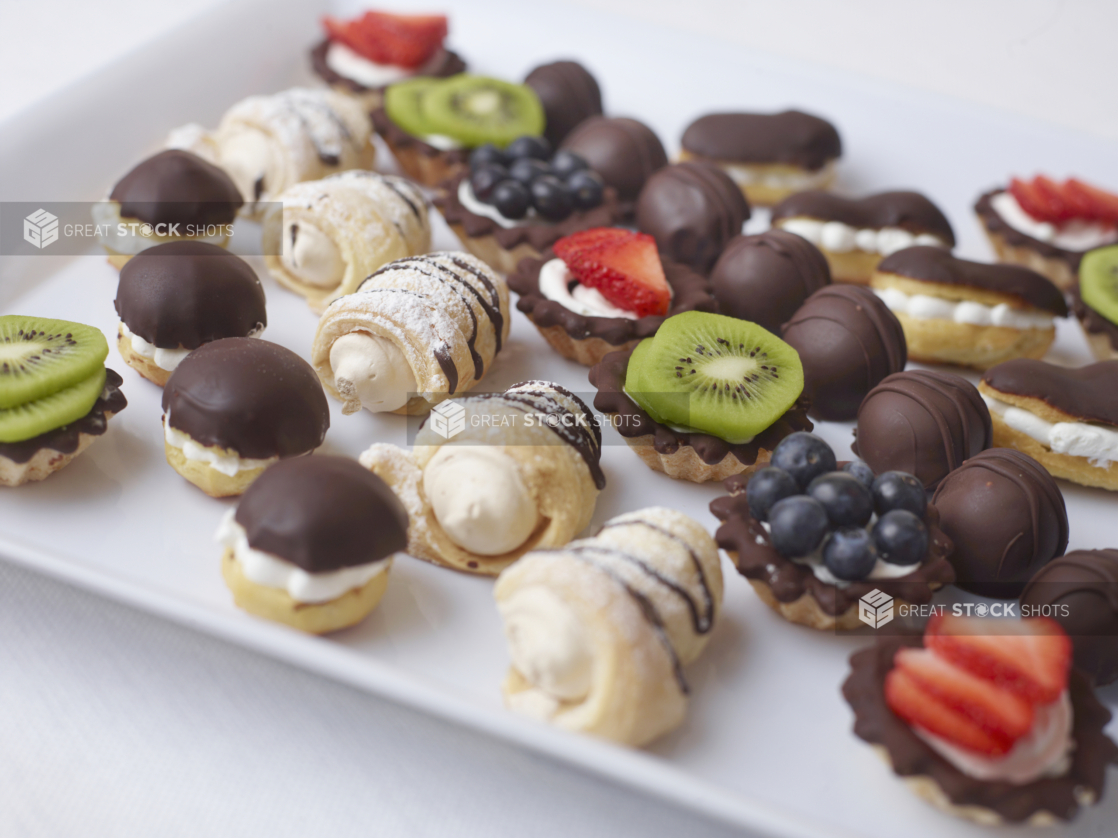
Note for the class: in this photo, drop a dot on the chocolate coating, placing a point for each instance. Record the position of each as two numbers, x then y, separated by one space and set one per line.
569 95
447 63
1093 323
1007 518
255 397
623 151
923 423
792 137
184 294
692 210
1089 393
995 225
1080 592
177 186
909 211
848 341
322 514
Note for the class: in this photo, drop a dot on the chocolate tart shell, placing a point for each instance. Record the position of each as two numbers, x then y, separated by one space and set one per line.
421 161
994 225
450 65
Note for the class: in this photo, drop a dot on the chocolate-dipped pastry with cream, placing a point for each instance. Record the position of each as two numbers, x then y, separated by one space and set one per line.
923 423
624 151
848 341
1007 518
764 278
692 210
235 406
174 297
769 156
1079 590
855 234
969 313
311 543
1064 418
171 196
569 94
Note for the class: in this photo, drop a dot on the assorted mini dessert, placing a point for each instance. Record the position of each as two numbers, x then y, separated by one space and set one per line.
570 95
1094 299
56 396
706 397
322 238
1065 418
235 406
855 234
769 156
311 542
813 540
1048 226
599 631
968 313
624 151
602 290
522 474
985 719
175 297
515 203
415 332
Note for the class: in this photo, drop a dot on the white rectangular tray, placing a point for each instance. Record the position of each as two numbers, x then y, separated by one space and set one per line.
767 741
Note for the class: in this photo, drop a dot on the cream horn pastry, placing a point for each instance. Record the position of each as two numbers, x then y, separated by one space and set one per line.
522 474
323 237
599 631
415 332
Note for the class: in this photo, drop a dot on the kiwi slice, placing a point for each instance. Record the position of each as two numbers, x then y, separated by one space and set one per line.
715 374
39 357
402 104
1098 281
476 110
59 408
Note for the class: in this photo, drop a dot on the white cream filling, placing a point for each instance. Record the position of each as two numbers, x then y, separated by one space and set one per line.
556 285
925 307
271 571
130 236
165 359
745 174
470 201
227 464
371 369
842 238
1096 443
1045 751
441 142
881 569
479 499
1076 235
311 256
247 156
348 64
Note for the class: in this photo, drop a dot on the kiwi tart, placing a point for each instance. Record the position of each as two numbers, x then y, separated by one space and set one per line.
707 397
1094 299
56 396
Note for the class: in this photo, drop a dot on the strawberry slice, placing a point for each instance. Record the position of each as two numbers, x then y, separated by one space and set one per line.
1030 658
400 40
1052 194
1030 199
624 266
569 247
1104 204
1080 201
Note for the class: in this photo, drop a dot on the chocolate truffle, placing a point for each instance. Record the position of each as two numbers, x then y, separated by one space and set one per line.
765 278
923 423
848 341
692 210
909 211
177 186
791 137
569 95
323 513
623 151
255 397
1080 592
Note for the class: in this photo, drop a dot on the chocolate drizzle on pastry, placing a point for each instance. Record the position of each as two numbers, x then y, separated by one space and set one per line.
446 63
848 341
322 514
790 137
186 293
177 187
255 397
1088 393
623 151
1093 322
397 137
65 440
910 756
923 423
1007 518
909 211
569 95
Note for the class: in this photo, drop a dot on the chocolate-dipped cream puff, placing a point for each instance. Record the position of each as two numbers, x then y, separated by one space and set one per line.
623 151
569 94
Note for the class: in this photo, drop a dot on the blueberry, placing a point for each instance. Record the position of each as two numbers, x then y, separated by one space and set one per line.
900 537
551 197
849 553
511 198
485 154
765 488
798 524
485 179
804 456
897 490
531 147
587 187
527 169
860 470
848 500
566 163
